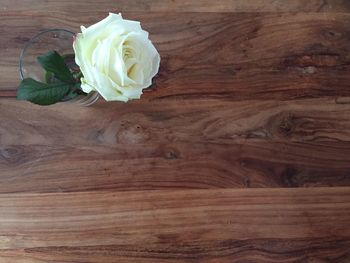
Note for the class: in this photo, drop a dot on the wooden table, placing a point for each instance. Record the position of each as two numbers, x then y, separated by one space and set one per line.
241 152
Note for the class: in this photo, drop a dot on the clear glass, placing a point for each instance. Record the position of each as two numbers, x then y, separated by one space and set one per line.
60 40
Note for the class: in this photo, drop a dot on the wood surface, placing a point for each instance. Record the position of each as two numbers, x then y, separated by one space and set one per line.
240 152
67 6
231 225
257 55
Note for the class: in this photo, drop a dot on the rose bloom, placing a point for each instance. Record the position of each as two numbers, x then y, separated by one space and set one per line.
116 58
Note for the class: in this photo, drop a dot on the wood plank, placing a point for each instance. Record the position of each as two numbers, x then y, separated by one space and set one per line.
173 166
252 55
66 6
159 145
149 181
145 121
177 226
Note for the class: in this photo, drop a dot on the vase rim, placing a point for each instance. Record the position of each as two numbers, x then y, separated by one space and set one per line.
31 40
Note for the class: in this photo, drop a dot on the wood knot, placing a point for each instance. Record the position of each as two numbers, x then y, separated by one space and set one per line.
331 34
132 133
286 125
281 124
309 70
11 155
123 132
319 60
171 154
289 177
310 62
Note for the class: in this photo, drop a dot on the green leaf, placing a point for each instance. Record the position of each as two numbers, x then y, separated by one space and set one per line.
42 93
54 62
68 56
71 94
48 76
75 91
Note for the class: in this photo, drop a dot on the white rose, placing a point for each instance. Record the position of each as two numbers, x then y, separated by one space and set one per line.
116 58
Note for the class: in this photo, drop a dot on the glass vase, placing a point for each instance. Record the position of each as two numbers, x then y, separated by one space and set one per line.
60 40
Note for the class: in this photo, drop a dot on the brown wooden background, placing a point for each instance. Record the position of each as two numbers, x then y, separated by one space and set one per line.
241 152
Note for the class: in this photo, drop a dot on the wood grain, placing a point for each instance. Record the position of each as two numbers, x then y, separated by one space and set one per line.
272 56
240 151
159 145
69 169
196 121
66 6
177 226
